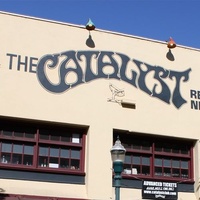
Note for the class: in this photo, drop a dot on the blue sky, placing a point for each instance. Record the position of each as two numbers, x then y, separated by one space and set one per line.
154 19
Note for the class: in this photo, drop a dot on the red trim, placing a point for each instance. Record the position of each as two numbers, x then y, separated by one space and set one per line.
31 197
36 142
191 163
130 141
82 164
42 169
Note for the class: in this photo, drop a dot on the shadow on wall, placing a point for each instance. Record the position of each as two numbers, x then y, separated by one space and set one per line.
170 56
89 42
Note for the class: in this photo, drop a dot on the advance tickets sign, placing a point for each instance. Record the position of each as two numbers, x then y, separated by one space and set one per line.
159 190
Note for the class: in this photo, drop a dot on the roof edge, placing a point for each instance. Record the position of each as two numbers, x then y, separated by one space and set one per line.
100 30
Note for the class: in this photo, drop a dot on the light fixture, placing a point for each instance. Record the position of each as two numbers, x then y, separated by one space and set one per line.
118 157
90 25
171 43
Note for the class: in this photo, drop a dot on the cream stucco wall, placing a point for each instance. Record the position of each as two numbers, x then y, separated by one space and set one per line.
23 96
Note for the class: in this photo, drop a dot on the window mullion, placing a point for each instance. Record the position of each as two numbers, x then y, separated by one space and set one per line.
82 157
36 150
11 153
48 156
191 168
152 164
70 157
23 146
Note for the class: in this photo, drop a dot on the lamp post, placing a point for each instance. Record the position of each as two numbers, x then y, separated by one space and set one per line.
118 156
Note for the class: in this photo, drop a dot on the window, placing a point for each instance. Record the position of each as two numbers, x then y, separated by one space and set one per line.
154 157
42 147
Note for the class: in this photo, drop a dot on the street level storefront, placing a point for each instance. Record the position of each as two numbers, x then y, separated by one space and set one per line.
28 197
68 93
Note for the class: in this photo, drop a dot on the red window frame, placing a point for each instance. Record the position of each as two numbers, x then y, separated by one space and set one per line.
42 147
156 157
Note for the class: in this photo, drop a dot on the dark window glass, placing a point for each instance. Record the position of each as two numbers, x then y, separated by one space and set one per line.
167 148
44 136
156 157
29 135
158 161
65 138
18 134
6 147
146 146
28 149
184 164
54 152
55 137
7 133
46 148
17 148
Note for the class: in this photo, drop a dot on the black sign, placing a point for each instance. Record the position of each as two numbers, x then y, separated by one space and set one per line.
159 190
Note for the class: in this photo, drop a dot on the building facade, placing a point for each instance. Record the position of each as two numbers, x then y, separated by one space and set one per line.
67 94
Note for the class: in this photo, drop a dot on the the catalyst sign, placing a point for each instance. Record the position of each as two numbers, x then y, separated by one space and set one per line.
159 190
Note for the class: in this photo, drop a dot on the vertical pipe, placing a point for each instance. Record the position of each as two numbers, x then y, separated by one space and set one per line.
118 167
117 193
